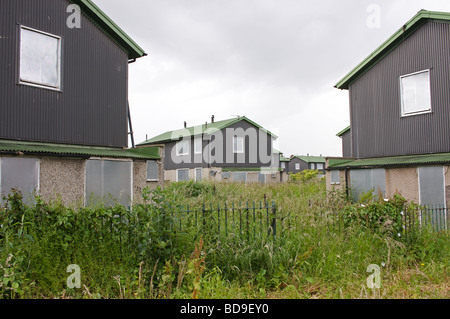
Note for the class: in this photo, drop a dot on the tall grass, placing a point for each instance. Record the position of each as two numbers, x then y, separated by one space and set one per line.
142 252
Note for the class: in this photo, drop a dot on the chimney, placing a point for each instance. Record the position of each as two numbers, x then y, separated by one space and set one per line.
212 119
185 124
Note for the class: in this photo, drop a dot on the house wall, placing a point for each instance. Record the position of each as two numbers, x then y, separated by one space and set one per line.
293 161
194 161
347 144
91 109
62 178
403 181
377 128
223 176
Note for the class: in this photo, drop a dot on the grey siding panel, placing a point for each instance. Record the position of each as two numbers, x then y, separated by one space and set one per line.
377 126
347 144
92 107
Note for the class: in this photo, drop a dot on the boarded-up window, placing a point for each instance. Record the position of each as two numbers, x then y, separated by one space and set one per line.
198 174
40 58
108 182
152 171
261 178
335 177
240 177
365 180
21 174
183 175
431 185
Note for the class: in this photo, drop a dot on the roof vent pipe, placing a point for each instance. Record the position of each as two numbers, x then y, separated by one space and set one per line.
212 119
185 124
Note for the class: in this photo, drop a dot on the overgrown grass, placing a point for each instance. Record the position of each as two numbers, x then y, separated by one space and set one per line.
140 253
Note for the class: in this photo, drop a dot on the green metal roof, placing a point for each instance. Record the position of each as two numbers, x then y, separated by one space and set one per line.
284 159
410 160
113 30
311 159
208 128
390 44
343 131
76 150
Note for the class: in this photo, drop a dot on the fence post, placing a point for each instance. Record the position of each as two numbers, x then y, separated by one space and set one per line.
274 219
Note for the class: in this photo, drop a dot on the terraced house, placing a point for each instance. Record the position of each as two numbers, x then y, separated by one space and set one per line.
399 135
236 149
64 114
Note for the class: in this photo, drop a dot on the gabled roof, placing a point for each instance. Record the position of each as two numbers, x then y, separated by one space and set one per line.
37 148
393 161
110 28
390 44
208 128
311 159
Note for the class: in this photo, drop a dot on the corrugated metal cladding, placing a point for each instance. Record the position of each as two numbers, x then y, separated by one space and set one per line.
347 144
377 126
92 107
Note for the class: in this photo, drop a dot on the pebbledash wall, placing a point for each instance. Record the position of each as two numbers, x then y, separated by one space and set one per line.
67 180
399 180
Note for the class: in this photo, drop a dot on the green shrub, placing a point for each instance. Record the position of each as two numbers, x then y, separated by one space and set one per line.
304 176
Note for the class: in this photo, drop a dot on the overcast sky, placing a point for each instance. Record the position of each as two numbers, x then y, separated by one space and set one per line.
274 61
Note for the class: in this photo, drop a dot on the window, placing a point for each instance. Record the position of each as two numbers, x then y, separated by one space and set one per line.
152 171
335 178
297 166
312 166
21 174
238 145
366 180
182 148
40 59
415 93
183 175
283 165
198 174
319 165
240 177
431 185
198 145
109 182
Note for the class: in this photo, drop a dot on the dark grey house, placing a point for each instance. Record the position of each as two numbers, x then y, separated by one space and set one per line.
398 140
236 149
64 111
299 163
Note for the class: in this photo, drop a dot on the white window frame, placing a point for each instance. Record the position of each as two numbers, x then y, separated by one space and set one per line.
321 166
332 175
198 141
157 172
186 148
404 113
201 173
182 169
59 59
297 166
236 149
103 159
283 165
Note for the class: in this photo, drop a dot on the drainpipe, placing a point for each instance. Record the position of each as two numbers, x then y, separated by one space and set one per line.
130 126
346 183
